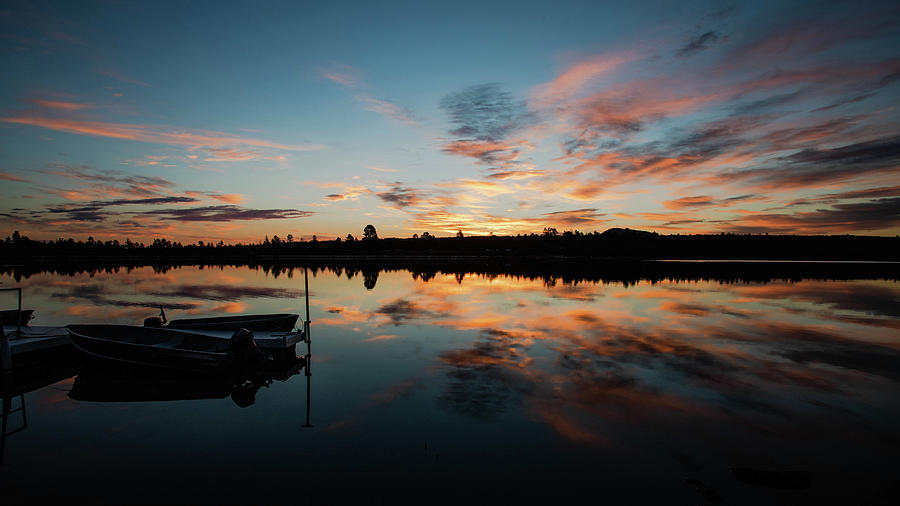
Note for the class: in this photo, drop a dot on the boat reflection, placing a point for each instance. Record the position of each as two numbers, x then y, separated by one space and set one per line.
113 382
36 370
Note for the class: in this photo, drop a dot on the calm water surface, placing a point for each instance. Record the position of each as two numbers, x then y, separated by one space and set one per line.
482 389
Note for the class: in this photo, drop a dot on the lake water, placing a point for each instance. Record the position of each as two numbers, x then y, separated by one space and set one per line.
479 389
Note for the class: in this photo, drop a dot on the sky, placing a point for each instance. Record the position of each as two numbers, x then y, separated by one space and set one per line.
220 121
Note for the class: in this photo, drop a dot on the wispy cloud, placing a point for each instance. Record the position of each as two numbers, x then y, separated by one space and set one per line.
388 109
700 42
227 213
58 105
486 119
707 201
6 176
877 214
351 78
382 337
578 76
111 183
345 75
400 196
119 76
228 198
154 134
99 210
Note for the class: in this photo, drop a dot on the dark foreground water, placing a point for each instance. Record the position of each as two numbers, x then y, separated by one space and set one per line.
460 389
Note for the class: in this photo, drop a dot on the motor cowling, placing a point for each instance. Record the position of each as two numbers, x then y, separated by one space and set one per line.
243 344
154 321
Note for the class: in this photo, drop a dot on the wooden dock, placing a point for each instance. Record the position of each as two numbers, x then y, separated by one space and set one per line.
28 339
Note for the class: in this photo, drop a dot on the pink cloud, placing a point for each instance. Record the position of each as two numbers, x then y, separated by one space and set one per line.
579 75
387 109
345 75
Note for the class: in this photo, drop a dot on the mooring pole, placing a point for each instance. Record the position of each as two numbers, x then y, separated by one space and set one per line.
307 424
19 313
306 324
308 348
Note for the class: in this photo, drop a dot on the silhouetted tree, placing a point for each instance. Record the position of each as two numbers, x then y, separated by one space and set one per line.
369 232
459 234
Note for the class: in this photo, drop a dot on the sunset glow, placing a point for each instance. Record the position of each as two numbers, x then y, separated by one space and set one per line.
203 122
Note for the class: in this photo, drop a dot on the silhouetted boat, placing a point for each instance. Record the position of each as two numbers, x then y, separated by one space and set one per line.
173 349
14 317
269 322
118 382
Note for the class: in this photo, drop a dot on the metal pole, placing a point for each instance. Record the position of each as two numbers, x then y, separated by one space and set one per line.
307 424
308 347
19 313
306 291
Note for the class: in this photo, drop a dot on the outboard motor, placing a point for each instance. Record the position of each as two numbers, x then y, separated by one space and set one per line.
156 321
244 393
153 321
244 346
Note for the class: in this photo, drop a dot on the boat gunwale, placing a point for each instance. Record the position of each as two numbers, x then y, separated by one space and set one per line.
154 346
145 364
236 318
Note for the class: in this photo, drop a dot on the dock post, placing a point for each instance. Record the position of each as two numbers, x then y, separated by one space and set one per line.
5 354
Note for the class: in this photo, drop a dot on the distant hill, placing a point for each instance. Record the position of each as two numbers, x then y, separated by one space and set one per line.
627 232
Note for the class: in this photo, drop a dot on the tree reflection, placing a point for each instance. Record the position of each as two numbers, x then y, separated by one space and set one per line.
370 277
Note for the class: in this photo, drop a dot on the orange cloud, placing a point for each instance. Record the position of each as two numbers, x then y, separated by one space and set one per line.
58 105
707 201
382 337
5 176
153 134
230 307
577 77
487 151
229 198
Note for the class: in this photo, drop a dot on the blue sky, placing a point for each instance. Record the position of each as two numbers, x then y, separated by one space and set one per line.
220 121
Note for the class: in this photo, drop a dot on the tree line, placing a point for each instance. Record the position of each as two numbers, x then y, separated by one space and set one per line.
616 243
